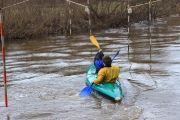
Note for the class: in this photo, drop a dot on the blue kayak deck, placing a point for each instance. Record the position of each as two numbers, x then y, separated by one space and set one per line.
111 90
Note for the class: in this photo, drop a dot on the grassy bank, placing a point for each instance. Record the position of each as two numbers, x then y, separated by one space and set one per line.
44 17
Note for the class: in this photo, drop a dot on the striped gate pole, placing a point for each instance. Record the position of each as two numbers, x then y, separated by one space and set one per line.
70 18
86 10
3 57
129 12
89 16
150 10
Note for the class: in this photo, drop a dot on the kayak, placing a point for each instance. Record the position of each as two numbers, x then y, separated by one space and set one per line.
112 90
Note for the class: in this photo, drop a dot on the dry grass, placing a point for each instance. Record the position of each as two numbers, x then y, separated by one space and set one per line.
44 17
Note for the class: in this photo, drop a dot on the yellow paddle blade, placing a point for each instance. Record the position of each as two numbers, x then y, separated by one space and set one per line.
94 41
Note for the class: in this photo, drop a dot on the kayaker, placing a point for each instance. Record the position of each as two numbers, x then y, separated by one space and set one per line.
98 63
107 74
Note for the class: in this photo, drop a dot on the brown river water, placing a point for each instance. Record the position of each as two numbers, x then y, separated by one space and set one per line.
45 75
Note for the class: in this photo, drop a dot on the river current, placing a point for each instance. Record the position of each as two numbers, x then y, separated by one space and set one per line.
45 75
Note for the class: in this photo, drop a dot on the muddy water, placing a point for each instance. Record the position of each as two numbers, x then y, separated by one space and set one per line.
45 75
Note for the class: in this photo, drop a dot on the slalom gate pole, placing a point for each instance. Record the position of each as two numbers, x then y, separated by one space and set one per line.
129 12
86 10
150 17
3 57
89 16
150 10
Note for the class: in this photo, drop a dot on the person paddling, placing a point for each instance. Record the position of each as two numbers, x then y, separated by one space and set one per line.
107 74
98 63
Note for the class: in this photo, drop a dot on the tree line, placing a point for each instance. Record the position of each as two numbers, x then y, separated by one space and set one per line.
35 18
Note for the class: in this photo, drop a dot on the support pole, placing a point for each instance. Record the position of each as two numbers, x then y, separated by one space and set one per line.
3 57
150 9
86 10
70 19
89 16
150 15
129 12
128 30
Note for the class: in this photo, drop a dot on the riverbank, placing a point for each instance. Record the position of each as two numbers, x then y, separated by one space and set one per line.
32 19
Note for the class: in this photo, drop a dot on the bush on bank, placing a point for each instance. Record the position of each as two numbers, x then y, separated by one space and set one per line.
37 18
